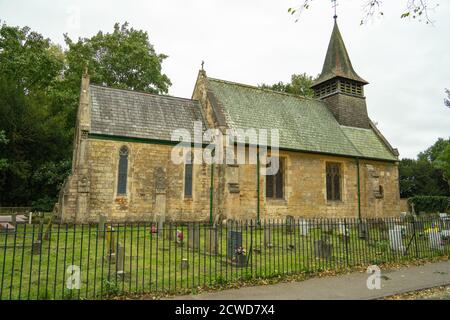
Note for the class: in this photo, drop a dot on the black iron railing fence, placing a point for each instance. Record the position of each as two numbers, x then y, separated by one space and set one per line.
98 261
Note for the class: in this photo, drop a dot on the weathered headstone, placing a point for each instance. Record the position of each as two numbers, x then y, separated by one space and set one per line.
268 241
36 247
6 227
13 219
101 225
343 231
290 222
161 220
193 235
212 241
303 228
120 260
234 242
323 249
363 230
184 264
435 239
110 244
395 238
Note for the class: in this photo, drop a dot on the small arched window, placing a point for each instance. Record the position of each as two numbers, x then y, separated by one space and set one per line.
188 175
123 171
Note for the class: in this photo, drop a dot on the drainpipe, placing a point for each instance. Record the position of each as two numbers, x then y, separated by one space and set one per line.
359 189
257 187
211 193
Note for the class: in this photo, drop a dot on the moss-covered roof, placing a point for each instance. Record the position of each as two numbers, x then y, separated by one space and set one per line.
304 124
337 61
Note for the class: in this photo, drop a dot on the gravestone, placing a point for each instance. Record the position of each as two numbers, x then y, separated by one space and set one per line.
363 230
435 239
303 227
101 225
268 236
6 227
184 264
395 238
110 244
160 224
212 241
193 235
323 249
343 231
36 247
290 222
120 260
234 242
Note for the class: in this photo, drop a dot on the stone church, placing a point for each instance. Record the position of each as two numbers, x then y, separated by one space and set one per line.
333 161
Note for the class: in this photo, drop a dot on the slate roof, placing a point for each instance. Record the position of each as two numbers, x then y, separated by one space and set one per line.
337 61
304 124
134 114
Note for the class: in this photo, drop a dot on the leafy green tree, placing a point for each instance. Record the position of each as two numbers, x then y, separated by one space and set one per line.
121 59
447 100
300 84
39 91
428 175
3 141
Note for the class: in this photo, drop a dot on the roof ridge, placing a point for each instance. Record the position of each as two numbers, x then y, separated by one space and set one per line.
143 92
263 89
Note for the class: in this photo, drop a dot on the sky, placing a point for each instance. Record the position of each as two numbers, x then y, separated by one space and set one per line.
257 41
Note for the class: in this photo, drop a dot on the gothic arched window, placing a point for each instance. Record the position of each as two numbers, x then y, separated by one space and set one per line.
333 181
123 171
188 175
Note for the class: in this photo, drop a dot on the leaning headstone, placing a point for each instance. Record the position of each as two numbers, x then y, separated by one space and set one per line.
290 222
395 238
193 235
234 242
303 228
212 241
101 225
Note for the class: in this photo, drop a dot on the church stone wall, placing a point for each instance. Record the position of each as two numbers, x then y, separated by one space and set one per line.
155 187
305 189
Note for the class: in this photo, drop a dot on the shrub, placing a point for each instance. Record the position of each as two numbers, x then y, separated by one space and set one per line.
430 204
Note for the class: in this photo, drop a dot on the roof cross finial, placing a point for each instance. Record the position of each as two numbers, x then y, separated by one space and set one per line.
335 8
203 64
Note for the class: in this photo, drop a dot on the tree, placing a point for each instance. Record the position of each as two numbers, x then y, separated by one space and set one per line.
415 9
39 91
3 141
121 59
300 84
429 174
447 100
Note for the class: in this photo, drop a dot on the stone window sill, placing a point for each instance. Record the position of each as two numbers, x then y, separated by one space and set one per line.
276 202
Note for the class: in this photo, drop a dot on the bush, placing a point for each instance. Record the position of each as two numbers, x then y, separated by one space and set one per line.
430 204
44 204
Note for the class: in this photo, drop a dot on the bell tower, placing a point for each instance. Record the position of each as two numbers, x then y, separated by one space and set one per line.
340 86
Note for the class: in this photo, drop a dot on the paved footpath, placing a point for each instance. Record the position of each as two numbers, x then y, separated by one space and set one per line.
351 286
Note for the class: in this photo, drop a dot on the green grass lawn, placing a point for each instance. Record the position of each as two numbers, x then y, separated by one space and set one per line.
153 263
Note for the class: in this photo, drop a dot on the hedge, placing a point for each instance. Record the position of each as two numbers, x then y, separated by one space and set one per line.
430 204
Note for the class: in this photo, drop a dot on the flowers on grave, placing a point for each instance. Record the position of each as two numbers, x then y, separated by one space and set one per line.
240 251
180 236
432 229
154 229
